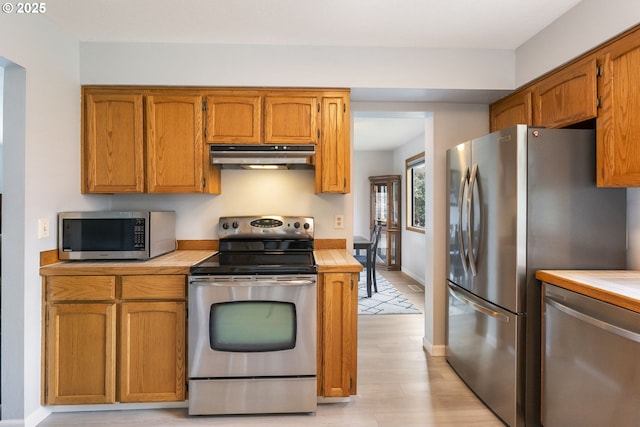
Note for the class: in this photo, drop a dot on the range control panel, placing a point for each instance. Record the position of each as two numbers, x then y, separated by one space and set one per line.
266 226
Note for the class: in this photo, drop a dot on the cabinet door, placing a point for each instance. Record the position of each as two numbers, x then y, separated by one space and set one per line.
176 155
152 361
512 110
337 334
566 97
291 119
333 154
81 345
617 125
112 150
234 118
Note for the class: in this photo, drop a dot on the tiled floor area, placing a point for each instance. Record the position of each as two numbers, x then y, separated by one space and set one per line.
398 385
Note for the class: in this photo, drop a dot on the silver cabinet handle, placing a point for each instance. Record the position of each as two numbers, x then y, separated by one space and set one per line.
630 335
463 184
477 307
472 184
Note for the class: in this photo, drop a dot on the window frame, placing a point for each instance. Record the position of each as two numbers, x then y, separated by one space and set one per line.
410 164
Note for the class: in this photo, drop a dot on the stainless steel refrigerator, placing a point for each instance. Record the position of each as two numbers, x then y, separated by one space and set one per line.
520 200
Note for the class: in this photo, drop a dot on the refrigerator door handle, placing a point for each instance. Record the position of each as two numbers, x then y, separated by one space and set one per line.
624 333
472 184
477 307
463 184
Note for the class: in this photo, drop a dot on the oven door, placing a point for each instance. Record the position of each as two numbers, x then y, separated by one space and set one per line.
252 326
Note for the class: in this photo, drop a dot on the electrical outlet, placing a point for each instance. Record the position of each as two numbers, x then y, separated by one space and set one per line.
43 228
338 221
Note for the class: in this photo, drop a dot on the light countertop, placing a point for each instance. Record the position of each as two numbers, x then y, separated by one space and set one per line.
618 287
179 262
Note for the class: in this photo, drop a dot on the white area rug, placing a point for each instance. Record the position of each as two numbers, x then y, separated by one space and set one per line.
388 300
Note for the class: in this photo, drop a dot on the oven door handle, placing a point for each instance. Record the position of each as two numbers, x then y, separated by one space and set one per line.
274 281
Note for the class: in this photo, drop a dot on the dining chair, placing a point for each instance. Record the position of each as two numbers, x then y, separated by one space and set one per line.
373 249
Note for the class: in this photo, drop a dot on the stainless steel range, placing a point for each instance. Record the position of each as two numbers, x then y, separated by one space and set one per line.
252 319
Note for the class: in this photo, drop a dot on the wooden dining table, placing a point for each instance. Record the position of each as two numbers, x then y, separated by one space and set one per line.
360 243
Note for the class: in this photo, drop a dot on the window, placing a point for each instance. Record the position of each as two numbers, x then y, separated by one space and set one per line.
415 168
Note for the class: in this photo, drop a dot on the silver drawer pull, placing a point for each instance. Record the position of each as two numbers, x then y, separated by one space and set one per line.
477 307
630 335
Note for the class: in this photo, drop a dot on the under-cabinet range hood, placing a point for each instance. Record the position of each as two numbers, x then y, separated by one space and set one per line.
262 156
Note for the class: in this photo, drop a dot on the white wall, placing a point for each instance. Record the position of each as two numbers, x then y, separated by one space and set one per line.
588 24
1 121
40 175
248 193
366 164
199 64
413 243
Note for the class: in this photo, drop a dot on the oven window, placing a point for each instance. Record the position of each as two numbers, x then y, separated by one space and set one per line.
252 326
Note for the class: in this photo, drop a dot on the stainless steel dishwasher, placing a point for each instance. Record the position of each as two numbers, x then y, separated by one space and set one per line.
590 363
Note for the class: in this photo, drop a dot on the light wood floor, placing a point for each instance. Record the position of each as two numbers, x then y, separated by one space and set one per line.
398 385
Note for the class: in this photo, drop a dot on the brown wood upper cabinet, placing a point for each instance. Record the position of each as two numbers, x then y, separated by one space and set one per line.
511 110
291 118
136 141
234 117
567 96
156 140
176 157
618 122
269 117
113 147
333 154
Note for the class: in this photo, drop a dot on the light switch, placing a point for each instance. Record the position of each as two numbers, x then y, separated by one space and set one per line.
43 228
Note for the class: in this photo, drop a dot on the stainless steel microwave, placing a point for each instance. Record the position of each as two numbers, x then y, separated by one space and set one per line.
135 235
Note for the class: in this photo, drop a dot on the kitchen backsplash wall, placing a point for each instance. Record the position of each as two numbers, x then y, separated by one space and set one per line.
288 192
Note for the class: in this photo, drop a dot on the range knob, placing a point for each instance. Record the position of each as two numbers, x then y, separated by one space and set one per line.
296 224
225 225
306 225
235 224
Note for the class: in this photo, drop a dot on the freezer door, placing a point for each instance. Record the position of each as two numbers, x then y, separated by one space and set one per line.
458 159
485 348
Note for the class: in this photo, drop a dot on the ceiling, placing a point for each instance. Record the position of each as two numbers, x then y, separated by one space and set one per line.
486 24
450 24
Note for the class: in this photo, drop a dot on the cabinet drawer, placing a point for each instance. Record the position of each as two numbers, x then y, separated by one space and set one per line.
154 287
81 288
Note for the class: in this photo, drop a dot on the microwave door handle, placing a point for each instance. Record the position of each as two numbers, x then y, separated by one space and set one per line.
472 185
463 184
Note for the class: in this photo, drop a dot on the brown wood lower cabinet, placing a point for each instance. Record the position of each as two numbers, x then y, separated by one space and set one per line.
112 338
85 363
337 334
81 353
152 351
